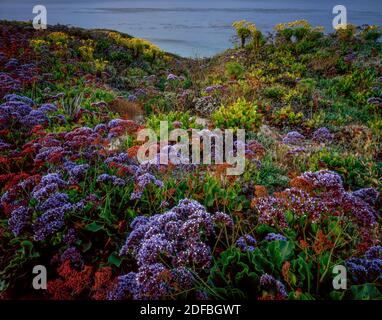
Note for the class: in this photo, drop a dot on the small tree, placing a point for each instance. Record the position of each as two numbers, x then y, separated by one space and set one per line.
242 30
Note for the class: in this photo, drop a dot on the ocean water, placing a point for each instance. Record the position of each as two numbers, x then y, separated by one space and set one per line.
192 28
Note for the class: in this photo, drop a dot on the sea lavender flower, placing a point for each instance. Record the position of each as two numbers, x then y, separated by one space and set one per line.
275 237
126 283
369 195
43 192
270 282
55 200
368 268
294 138
213 88
358 271
374 252
73 255
100 128
16 97
48 223
246 243
176 236
172 77
360 210
221 218
77 172
136 195
4 145
104 178
153 249
296 151
147 178
19 219
47 108
132 98
35 117
324 179
12 63
120 158
322 135
52 178
70 237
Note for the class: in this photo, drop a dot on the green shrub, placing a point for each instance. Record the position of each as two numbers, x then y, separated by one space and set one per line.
240 115
234 69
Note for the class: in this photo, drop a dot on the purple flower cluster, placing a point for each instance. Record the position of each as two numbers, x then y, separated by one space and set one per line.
369 195
142 181
115 181
73 255
368 268
246 243
8 83
50 208
132 98
275 237
120 158
47 108
213 88
179 237
322 135
270 283
19 219
18 110
76 171
16 97
70 237
48 223
172 77
49 184
293 138
325 194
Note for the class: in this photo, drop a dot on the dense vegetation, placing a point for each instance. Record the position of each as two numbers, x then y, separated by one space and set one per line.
75 199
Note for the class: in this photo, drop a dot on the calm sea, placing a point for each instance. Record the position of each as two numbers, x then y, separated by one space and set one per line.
190 27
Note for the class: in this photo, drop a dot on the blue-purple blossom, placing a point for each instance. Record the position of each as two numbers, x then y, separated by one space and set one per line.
246 243
16 97
269 282
294 138
49 223
275 237
177 236
47 108
125 285
104 178
322 135
369 195
19 219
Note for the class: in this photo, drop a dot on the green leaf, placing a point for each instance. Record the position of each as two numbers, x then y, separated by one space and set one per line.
114 259
279 251
337 295
367 291
93 227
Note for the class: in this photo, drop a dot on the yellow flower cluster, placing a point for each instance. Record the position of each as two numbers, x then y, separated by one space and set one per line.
58 37
294 24
87 50
38 44
139 46
244 24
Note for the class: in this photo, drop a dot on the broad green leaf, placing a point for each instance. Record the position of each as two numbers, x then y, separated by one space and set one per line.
93 227
367 291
